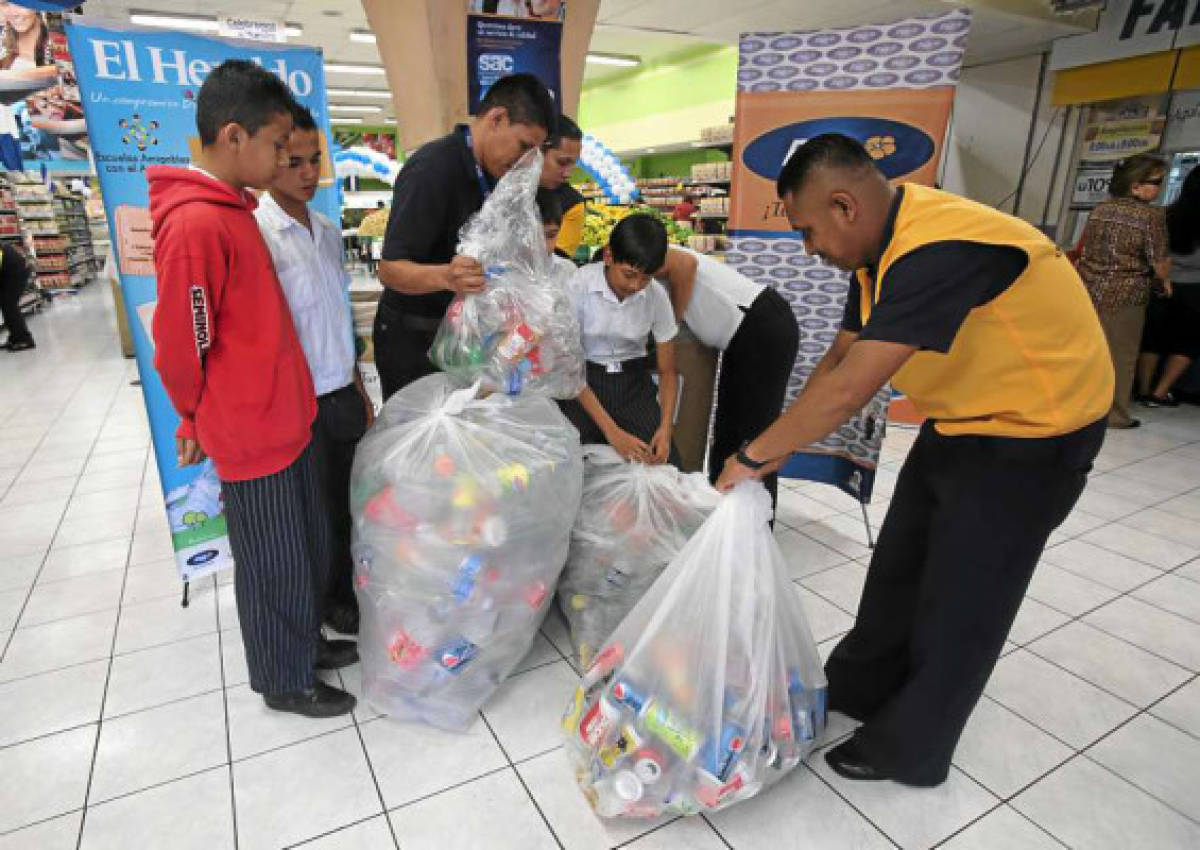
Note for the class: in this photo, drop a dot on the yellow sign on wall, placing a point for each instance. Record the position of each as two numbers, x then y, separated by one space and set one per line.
1111 140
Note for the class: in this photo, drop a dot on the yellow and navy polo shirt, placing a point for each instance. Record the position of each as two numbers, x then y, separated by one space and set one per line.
1009 342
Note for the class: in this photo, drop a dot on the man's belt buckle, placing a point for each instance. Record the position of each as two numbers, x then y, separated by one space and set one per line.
614 368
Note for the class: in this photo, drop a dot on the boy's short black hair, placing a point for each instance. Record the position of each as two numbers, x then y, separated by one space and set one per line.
566 129
240 92
525 98
828 150
549 207
639 240
302 117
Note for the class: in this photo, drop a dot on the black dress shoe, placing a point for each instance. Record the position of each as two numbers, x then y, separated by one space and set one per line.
336 654
1167 400
19 345
342 617
321 700
846 761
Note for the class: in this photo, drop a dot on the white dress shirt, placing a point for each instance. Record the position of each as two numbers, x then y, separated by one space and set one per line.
317 287
719 298
614 330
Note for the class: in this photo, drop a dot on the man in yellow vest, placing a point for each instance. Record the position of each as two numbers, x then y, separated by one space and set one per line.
987 328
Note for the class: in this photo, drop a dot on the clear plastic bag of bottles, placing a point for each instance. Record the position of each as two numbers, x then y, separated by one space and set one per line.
520 334
462 513
633 520
711 689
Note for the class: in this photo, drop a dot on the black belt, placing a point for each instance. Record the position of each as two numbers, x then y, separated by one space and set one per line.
637 364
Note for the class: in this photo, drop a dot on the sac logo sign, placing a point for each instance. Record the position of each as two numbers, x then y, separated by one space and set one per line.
496 63
897 148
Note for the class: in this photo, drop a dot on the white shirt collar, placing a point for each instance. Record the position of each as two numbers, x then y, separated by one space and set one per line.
599 285
281 220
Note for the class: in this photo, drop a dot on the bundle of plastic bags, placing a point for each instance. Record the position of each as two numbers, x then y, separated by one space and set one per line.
462 515
520 334
633 520
712 688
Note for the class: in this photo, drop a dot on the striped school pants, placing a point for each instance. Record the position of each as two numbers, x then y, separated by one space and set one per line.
630 397
280 539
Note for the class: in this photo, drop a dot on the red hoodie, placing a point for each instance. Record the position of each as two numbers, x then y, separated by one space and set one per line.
224 343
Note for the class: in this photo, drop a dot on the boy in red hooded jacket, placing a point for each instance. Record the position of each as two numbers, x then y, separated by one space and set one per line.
231 362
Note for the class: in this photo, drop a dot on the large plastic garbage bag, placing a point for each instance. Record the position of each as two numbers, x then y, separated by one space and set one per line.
521 333
462 515
633 520
712 688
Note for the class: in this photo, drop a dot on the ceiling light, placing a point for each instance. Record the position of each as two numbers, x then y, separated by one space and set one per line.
614 59
651 150
338 121
362 36
193 23
389 120
352 68
382 94
344 107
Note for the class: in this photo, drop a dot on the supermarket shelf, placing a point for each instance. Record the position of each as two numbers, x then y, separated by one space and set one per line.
712 215
30 299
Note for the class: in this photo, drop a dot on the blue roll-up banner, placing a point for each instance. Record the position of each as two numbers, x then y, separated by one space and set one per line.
498 46
139 96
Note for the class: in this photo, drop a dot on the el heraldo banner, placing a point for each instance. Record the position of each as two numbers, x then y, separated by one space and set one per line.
891 87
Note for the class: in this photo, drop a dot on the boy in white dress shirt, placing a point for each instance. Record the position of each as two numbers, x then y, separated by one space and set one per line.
307 250
619 309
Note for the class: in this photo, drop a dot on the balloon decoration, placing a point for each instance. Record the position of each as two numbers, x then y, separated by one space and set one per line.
608 171
362 161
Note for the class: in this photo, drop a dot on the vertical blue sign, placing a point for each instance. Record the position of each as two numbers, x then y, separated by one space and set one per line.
499 46
139 91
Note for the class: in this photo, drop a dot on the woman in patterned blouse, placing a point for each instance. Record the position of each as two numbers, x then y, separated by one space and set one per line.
1124 256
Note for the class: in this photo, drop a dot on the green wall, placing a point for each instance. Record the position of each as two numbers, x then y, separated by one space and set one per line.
674 164
689 78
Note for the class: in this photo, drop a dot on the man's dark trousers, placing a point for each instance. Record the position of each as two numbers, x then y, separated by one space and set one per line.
968 521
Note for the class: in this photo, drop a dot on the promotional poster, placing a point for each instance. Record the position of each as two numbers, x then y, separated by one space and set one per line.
513 37
41 118
139 93
890 87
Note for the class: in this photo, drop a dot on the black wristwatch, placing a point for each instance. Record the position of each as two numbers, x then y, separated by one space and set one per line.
747 461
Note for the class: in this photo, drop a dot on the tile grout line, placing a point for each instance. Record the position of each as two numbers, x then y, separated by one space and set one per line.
807 766
49 548
636 838
112 647
1142 712
717 832
1075 752
225 711
521 779
371 767
300 844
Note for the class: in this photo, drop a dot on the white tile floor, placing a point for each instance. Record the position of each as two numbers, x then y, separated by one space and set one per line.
125 720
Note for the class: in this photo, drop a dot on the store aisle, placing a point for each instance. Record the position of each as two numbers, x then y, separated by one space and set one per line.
125 720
